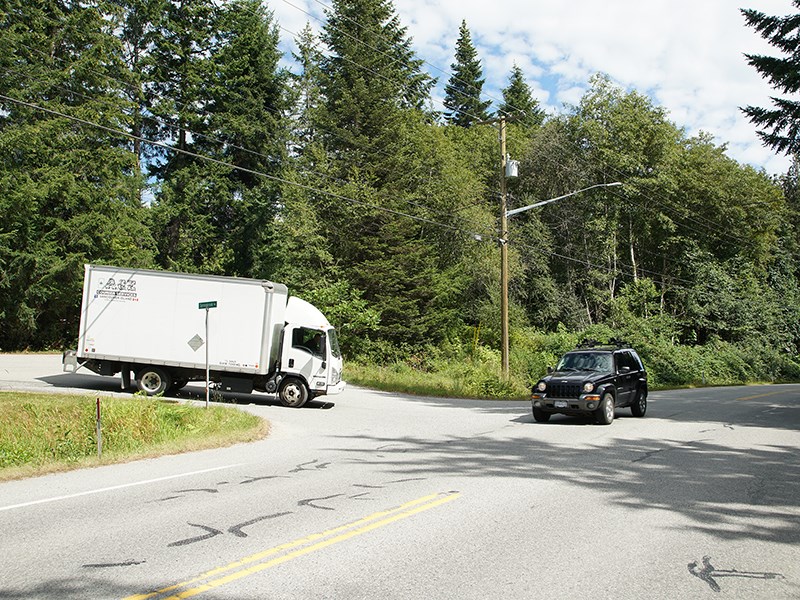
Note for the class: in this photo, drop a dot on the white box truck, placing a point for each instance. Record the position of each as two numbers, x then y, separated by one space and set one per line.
160 325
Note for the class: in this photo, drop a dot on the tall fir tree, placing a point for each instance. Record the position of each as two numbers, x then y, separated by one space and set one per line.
462 99
518 102
179 69
249 108
369 77
220 94
306 88
68 188
779 126
137 33
374 128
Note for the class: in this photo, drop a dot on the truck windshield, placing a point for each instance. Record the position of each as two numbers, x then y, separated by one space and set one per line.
334 343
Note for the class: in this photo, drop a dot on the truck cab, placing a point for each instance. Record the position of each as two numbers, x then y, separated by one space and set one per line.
311 361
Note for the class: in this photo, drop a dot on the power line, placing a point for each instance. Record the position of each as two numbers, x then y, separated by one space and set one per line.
225 143
238 168
549 157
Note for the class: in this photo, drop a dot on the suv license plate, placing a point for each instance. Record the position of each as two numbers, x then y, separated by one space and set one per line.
561 404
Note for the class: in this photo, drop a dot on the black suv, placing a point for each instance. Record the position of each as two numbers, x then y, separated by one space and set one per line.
594 379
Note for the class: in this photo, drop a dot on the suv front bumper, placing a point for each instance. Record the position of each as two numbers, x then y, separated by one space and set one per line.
585 403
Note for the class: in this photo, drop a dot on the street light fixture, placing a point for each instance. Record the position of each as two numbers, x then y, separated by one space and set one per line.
543 202
504 257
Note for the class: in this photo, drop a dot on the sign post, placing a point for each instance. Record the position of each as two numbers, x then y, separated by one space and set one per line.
206 306
99 432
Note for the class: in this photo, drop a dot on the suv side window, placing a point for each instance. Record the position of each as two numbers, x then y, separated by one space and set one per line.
633 361
624 359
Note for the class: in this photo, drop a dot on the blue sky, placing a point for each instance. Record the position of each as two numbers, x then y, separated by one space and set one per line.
687 55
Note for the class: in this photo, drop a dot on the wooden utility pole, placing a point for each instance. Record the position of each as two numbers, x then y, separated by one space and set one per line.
504 345
504 350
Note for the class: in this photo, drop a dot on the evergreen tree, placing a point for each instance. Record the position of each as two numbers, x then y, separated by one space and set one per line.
247 92
307 88
222 95
518 103
68 189
387 180
462 99
137 33
369 78
179 68
779 125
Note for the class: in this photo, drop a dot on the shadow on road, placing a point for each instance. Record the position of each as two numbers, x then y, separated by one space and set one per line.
725 405
733 493
95 383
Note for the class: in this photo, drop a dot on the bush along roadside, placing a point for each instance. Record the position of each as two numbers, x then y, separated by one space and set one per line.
474 371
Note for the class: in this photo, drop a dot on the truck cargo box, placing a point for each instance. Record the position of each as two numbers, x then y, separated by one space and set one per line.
154 317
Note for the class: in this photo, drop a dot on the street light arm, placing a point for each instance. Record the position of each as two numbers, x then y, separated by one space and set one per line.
543 202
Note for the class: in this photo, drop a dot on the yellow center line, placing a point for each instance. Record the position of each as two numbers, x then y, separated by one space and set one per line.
760 396
334 536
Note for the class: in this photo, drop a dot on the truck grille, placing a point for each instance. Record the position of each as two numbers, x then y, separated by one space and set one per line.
563 390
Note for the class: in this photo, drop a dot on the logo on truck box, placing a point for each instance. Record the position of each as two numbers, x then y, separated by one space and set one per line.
123 290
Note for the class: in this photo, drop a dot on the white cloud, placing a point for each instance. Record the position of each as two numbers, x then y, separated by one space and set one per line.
687 55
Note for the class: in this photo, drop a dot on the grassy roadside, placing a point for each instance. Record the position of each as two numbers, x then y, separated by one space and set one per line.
452 380
45 433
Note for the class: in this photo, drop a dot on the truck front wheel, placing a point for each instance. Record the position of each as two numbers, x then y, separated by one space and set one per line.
153 381
293 393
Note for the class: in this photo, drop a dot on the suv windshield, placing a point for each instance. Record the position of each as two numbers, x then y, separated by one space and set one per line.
585 361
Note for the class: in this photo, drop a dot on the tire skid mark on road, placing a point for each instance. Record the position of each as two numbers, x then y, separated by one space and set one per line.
317 466
125 563
237 529
271 557
211 533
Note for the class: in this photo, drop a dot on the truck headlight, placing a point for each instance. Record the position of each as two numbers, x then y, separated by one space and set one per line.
588 387
541 386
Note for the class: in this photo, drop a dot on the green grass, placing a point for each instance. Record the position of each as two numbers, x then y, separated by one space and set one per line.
453 380
43 433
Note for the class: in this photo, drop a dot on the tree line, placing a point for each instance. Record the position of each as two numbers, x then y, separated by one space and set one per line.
168 134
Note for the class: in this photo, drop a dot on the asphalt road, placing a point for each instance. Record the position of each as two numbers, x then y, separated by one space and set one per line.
375 495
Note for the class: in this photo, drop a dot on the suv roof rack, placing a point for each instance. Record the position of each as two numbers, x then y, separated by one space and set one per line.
612 343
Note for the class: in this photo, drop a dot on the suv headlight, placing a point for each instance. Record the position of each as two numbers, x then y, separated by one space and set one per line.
541 386
588 387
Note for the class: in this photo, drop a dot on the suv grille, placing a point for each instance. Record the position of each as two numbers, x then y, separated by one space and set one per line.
563 390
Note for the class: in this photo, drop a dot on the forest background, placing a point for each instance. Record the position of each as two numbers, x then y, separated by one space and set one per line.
166 134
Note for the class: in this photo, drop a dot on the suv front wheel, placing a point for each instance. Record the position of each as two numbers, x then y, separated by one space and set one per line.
605 412
540 416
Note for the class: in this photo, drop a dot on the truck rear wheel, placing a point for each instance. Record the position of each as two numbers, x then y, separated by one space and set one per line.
293 392
153 381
